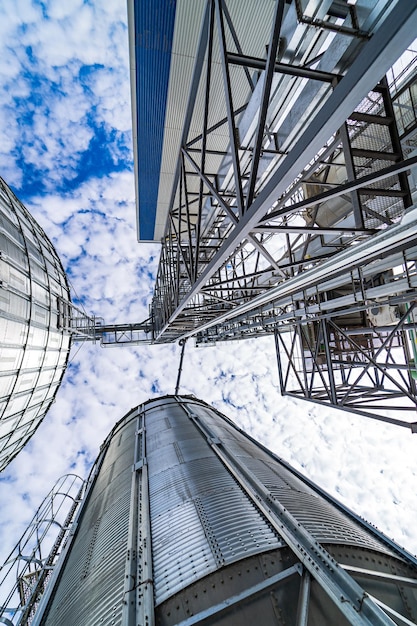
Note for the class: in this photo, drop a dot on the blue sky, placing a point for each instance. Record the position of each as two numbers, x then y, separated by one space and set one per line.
66 151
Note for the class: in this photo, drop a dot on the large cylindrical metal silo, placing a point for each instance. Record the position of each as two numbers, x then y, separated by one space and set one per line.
187 520
34 345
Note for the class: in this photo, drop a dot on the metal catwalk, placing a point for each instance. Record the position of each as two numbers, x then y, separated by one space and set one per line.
187 520
289 192
290 151
290 204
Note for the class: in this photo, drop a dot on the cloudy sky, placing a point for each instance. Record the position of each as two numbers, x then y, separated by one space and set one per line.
66 151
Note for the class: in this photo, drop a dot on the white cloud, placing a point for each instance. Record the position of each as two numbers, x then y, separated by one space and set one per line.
369 465
67 71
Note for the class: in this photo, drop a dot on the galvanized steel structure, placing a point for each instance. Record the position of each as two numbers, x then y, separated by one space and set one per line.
187 520
29 566
289 211
283 183
34 342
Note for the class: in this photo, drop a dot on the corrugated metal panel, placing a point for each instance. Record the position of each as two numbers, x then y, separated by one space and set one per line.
181 552
31 344
94 575
90 591
179 87
187 28
193 501
237 536
319 517
154 25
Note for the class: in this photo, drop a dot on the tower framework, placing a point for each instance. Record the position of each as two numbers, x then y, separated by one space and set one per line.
187 520
293 159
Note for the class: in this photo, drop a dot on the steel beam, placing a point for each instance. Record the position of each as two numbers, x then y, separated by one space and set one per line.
201 49
386 242
390 578
304 599
229 105
354 604
266 92
283 68
344 188
218 611
377 55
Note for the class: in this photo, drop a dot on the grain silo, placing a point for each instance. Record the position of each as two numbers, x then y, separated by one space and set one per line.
34 340
187 520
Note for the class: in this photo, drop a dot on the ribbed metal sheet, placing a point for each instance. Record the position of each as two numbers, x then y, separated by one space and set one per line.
33 348
187 28
91 588
193 499
319 517
186 33
153 31
209 537
181 552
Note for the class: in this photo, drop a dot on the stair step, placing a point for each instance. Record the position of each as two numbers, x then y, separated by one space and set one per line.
382 120
375 154
392 193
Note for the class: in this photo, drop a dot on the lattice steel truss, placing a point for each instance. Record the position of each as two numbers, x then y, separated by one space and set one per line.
291 163
249 208
365 370
288 204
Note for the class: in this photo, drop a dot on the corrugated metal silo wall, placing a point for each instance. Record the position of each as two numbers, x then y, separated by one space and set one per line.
34 348
209 540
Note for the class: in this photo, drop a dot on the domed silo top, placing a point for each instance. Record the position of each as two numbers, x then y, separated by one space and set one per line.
34 346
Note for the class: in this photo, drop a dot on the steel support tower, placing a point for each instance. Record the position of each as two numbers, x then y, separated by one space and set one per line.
187 520
290 210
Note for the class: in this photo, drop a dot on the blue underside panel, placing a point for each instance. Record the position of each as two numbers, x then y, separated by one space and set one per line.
154 26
